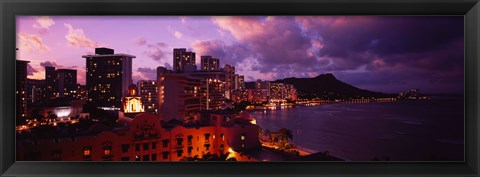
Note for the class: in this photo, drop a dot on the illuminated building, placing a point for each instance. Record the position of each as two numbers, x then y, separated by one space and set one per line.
213 88
146 138
262 91
67 82
277 91
81 92
183 61
229 80
291 92
148 92
239 82
133 103
36 91
21 88
51 79
209 64
178 95
108 77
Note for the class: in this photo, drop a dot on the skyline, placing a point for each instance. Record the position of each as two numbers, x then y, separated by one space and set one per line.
420 52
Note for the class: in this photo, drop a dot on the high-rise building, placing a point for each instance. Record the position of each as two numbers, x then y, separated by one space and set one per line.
21 88
183 60
148 93
229 80
213 89
209 64
178 96
239 82
36 91
262 91
277 91
67 82
108 77
291 92
51 80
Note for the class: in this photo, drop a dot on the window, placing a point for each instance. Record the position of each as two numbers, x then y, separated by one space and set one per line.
179 141
146 158
137 147
179 153
145 146
207 147
154 145
137 158
56 155
154 157
222 136
125 148
242 137
190 148
165 143
107 150
207 136
165 155
87 152
189 139
125 158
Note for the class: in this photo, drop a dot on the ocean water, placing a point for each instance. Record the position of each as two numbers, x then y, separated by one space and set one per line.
429 130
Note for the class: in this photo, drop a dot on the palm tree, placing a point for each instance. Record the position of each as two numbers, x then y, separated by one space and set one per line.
284 135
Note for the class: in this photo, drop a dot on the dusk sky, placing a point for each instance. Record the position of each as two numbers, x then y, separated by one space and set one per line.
379 53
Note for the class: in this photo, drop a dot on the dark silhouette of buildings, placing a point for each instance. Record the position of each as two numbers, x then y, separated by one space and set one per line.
21 88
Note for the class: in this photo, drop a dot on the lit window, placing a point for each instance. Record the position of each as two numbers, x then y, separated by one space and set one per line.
87 151
242 137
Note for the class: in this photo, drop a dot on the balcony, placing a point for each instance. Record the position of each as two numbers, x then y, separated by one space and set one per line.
179 146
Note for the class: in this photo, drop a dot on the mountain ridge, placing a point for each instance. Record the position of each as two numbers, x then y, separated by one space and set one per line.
326 86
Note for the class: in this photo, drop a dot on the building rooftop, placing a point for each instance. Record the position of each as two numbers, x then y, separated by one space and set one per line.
108 55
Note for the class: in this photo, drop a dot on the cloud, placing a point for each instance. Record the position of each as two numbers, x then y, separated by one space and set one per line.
43 23
31 43
145 73
183 19
140 41
228 54
49 63
76 38
30 70
276 42
178 34
158 51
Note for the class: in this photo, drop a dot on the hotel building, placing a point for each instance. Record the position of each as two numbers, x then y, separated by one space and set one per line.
262 91
148 93
21 88
178 95
67 82
183 60
147 138
108 77
209 64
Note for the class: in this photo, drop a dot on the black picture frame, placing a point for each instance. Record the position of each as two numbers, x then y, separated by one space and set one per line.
11 8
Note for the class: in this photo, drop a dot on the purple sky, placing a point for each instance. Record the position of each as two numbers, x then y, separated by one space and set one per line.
380 53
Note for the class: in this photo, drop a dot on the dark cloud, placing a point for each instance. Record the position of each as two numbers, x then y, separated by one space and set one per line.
30 70
228 54
383 52
145 73
48 63
274 41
